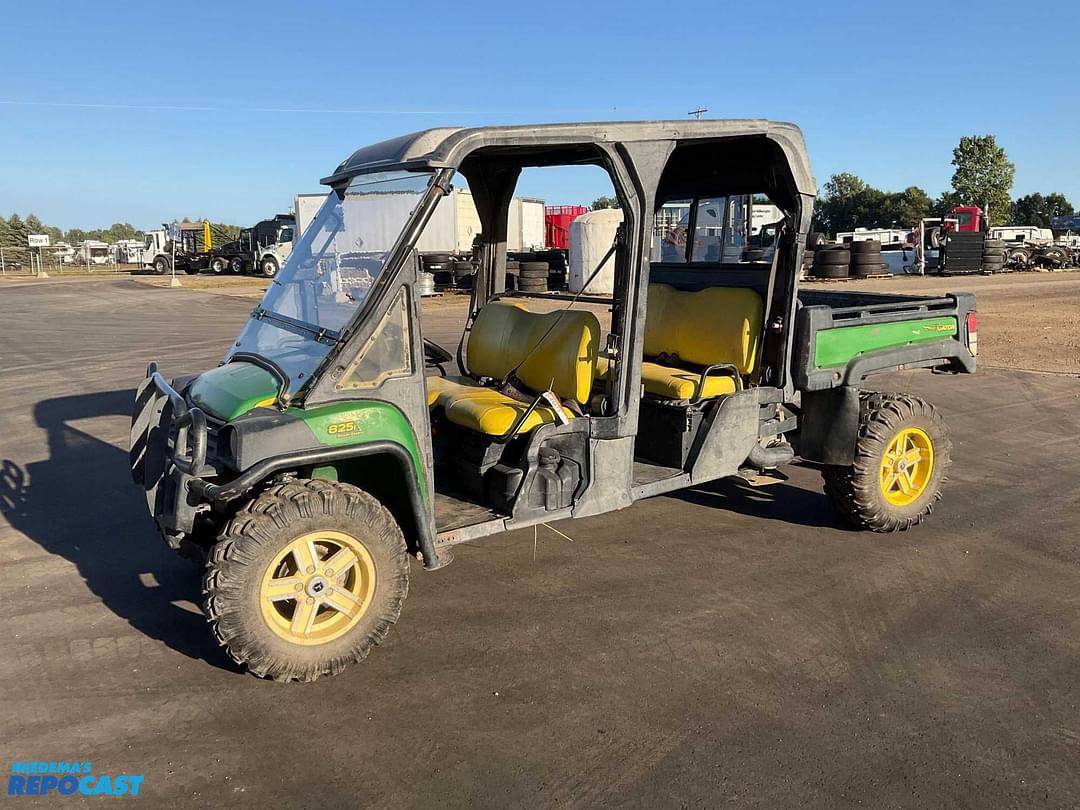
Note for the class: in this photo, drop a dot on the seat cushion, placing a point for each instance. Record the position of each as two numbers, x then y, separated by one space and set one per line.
440 389
488 411
555 350
675 383
705 327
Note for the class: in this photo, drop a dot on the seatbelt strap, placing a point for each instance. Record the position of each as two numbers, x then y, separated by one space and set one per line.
769 296
577 295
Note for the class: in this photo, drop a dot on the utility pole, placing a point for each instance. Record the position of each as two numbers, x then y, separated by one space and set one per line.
697 113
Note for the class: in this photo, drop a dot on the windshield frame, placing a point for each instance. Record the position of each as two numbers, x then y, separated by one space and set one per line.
375 301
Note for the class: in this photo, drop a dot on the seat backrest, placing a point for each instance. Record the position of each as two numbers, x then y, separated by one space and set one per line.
564 359
713 325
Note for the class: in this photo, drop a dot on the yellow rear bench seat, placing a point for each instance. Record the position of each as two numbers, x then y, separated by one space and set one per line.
701 328
503 335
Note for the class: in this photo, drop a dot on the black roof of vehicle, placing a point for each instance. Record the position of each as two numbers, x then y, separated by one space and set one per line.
447 147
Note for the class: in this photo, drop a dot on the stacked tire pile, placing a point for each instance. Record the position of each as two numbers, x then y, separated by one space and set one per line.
963 253
557 268
464 274
449 271
866 259
994 254
441 266
533 276
513 274
832 261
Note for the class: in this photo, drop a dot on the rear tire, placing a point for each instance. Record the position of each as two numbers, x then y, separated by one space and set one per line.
218 265
263 551
236 266
901 457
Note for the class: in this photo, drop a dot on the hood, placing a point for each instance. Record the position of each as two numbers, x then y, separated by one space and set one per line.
232 390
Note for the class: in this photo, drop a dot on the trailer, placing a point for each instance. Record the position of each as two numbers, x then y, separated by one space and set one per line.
92 251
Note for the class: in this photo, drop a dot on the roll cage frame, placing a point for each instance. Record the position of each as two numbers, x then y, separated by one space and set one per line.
648 163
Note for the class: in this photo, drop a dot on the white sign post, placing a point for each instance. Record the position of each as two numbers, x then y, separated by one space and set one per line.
38 241
174 234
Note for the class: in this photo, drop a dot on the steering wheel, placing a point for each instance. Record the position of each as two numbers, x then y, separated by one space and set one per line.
435 355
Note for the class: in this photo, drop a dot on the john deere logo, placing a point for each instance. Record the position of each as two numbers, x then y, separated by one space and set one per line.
338 428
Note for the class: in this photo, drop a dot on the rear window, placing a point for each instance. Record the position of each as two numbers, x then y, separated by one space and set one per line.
737 229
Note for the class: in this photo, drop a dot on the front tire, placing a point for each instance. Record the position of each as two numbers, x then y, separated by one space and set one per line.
268 267
901 457
161 265
305 580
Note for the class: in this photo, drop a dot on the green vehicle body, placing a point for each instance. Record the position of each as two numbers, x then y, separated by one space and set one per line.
235 389
838 347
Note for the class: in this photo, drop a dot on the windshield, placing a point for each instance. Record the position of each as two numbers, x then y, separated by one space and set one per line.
330 271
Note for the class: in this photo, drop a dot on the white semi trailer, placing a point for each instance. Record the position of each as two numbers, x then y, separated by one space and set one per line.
455 223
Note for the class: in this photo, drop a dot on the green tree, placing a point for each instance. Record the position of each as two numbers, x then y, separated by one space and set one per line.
945 203
1038 210
17 231
604 202
911 206
837 206
984 174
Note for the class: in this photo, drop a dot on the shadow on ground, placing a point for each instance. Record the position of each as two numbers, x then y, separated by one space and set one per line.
82 505
780 501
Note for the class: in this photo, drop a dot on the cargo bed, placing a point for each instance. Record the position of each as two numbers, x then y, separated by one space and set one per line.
843 337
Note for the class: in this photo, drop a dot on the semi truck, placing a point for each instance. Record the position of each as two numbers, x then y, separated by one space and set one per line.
188 243
264 247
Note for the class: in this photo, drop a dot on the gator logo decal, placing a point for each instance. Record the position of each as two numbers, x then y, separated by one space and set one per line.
339 428
939 327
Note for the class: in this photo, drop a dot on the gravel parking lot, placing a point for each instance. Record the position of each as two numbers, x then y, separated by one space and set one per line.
726 645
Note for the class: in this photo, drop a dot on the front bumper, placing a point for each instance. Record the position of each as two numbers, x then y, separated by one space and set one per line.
167 451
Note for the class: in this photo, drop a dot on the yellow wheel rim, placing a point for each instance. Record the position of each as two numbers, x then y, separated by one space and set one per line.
906 466
317 587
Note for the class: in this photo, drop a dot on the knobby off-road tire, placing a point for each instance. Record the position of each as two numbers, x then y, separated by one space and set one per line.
901 457
290 536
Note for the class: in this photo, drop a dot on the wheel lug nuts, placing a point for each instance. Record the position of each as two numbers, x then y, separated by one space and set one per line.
311 569
311 600
329 572
299 587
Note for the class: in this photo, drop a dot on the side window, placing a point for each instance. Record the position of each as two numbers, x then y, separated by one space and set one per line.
670 226
286 235
711 226
387 352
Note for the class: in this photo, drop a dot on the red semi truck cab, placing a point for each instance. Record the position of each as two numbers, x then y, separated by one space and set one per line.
969 219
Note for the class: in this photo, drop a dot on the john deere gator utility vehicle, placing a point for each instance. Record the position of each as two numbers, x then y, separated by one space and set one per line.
331 446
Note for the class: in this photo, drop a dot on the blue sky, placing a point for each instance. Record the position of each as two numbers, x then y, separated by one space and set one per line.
882 91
